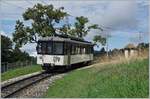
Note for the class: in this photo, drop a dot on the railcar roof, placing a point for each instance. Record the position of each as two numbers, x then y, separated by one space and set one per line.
61 39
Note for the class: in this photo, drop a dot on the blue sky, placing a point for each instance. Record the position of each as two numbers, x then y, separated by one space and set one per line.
125 18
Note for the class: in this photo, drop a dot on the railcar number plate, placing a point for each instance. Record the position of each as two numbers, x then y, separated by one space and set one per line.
56 59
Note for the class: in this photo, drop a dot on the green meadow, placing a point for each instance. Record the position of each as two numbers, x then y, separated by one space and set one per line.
124 80
20 71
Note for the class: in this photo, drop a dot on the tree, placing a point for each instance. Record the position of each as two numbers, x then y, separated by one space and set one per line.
43 19
99 39
80 28
102 50
18 55
143 45
6 48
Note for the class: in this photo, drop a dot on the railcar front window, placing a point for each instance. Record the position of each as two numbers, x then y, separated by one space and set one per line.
39 48
44 47
58 48
49 48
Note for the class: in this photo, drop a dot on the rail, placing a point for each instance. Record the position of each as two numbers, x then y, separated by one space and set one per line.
10 89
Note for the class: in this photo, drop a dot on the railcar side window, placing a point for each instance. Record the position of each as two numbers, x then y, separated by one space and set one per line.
73 49
87 50
91 49
84 50
78 50
58 48
65 48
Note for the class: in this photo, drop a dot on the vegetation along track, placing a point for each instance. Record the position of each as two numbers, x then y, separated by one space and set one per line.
9 90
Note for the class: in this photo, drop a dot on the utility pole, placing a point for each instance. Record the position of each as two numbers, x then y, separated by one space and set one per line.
67 24
107 45
107 36
67 21
140 39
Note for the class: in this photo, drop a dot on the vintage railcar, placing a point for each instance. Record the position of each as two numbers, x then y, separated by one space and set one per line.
63 51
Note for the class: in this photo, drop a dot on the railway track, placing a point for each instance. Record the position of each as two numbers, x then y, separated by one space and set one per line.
10 89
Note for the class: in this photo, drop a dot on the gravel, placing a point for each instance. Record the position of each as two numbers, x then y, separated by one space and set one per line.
37 90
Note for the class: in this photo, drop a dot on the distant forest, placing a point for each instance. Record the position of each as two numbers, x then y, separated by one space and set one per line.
10 54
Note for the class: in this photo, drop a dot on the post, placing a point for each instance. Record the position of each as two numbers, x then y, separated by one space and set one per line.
107 46
6 66
140 39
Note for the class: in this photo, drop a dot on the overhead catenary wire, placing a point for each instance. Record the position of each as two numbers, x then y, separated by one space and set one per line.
8 3
29 2
43 2
14 5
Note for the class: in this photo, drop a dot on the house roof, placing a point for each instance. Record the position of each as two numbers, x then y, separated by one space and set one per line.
130 46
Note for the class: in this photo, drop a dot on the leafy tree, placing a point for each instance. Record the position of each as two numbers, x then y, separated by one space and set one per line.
80 28
99 39
6 48
102 50
18 55
43 18
65 29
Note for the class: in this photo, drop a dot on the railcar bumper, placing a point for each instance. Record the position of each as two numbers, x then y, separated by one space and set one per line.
52 67
47 66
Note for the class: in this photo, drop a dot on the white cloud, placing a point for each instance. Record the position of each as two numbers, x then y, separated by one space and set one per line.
3 33
34 54
30 48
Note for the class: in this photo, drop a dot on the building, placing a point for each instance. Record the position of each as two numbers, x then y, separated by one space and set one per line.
130 51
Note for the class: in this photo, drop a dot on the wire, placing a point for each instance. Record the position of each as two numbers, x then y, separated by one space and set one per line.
29 2
43 2
13 5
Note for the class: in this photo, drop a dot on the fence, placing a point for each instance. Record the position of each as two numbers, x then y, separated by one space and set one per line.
9 66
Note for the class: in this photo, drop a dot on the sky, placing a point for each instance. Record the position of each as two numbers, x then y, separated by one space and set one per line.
123 20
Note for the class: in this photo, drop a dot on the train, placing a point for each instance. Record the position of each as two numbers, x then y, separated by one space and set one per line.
60 51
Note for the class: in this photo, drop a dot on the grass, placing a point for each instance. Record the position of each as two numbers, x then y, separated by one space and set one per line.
20 71
120 80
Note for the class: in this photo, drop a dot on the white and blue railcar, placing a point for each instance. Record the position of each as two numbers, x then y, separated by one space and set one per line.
61 51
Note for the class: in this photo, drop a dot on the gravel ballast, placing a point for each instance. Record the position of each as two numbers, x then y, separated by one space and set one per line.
38 89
